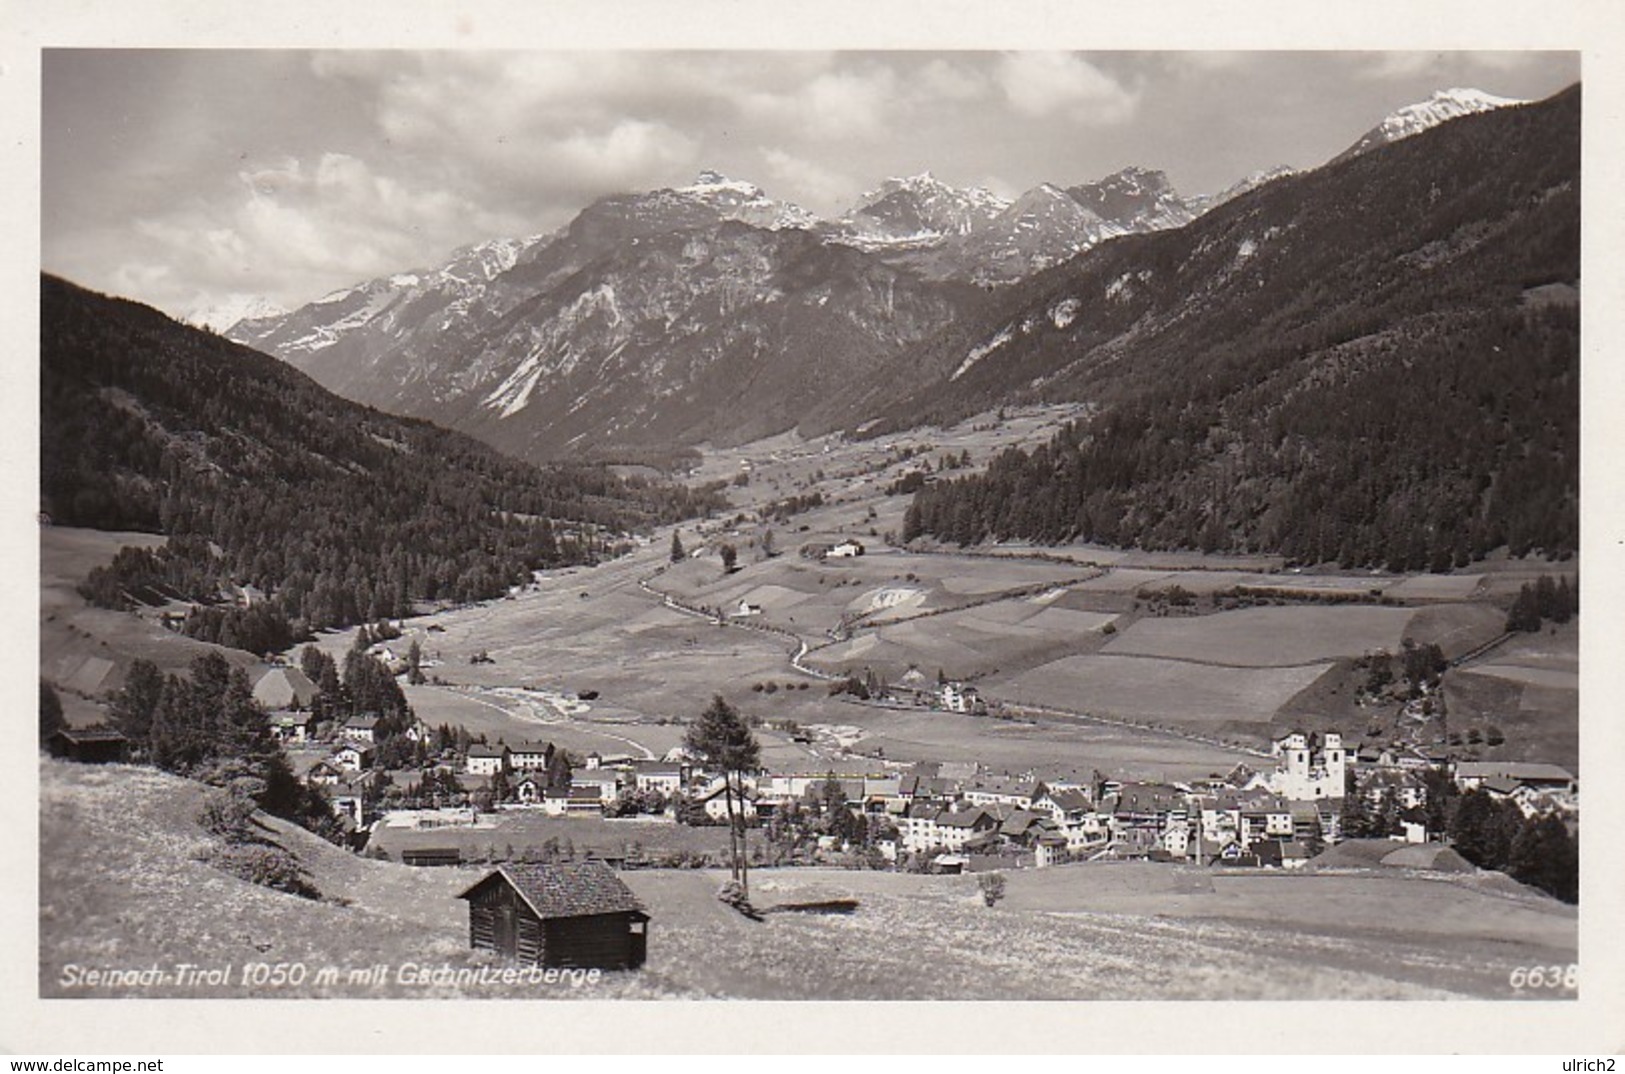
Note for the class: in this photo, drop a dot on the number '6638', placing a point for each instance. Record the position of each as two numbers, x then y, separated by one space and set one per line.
1552 977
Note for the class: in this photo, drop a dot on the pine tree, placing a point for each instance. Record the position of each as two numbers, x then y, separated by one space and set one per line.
132 708
1545 856
724 740
678 553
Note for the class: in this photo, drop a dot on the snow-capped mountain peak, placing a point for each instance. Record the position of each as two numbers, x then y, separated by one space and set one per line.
223 315
736 199
1443 106
917 210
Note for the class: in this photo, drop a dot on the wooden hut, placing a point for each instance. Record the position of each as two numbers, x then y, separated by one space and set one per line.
558 915
90 745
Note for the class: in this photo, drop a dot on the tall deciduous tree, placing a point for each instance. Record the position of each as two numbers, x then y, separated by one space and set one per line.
724 740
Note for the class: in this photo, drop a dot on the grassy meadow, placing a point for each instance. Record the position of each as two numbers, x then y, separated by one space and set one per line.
126 886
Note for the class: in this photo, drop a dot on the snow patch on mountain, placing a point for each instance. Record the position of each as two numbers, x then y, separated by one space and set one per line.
978 353
1064 312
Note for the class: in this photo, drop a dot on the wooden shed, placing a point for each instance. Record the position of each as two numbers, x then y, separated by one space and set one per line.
558 915
90 745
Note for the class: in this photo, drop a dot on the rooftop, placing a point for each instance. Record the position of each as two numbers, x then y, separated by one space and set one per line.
577 890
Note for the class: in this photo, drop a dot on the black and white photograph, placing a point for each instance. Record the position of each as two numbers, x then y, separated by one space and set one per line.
889 522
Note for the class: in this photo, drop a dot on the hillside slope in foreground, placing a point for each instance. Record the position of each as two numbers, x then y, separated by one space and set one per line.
125 885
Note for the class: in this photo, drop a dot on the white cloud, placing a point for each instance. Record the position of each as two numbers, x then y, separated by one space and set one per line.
811 184
1397 64
832 106
630 153
293 229
945 80
1046 83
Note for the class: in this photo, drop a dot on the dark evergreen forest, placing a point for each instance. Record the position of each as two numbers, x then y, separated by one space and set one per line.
1376 364
337 512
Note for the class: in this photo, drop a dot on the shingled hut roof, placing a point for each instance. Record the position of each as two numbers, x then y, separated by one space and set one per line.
575 890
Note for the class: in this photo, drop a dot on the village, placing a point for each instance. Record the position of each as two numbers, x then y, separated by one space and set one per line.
861 811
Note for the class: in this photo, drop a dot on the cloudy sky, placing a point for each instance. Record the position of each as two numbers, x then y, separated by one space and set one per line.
185 178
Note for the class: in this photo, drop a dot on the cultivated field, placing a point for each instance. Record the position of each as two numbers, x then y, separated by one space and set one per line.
1162 691
124 888
1014 746
1266 637
1528 689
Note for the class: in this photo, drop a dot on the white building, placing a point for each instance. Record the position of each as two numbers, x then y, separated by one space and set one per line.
361 729
957 697
657 777
486 760
1308 770
529 756
353 757
606 781
715 803
846 549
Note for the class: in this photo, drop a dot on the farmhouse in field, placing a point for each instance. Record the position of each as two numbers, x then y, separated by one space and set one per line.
90 745
846 549
957 697
578 915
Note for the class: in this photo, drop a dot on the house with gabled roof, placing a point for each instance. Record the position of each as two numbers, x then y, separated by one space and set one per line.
1069 806
363 728
293 726
715 802
578 915
484 759
353 757
658 777
530 756
1471 774
323 774
574 801
605 782
992 791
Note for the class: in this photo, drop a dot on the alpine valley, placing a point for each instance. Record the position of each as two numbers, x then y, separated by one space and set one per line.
732 601
713 313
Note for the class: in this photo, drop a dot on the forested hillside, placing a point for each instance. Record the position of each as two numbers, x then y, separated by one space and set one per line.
1376 363
260 477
